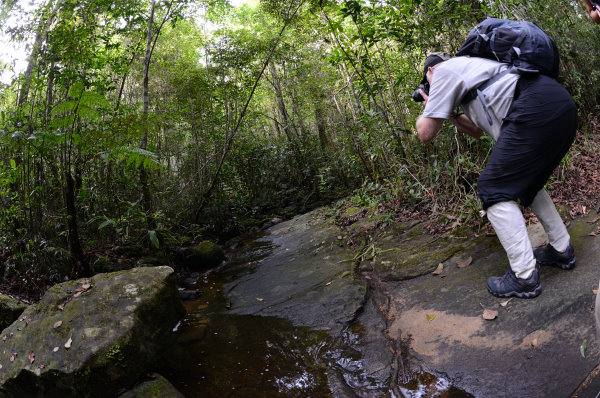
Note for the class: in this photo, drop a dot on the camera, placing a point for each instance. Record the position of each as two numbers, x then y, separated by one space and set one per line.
416 95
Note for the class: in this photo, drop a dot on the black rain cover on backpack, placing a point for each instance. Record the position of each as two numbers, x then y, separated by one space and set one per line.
520 43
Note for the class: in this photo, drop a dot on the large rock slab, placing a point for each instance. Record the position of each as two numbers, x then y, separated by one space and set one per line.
90 337
533 347
309 278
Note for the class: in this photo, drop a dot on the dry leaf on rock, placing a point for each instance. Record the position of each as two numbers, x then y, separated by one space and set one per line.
55 349
430 317
31 357
68 343
439 269
489 314
57 324
466 263
595 291
504 303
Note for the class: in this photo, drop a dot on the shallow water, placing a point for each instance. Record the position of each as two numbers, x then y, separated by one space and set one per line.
219 354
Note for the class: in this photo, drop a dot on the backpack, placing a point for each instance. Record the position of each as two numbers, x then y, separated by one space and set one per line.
522 44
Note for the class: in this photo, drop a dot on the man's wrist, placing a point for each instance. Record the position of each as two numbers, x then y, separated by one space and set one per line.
456 114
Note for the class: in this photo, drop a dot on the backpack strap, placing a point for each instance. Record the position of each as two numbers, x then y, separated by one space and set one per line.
477 92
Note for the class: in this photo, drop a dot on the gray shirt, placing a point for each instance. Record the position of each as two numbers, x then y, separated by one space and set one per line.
455 78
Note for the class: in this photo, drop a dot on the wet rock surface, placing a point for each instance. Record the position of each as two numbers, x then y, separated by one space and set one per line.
407 320
309 277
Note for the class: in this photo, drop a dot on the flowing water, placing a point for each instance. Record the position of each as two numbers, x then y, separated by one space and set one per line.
219 354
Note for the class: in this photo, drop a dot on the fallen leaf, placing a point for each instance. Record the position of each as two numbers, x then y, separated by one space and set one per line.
489 314
595 291
430 317
466 263
68 343
346 273
259 299
504 303
594 221
55 349
31 357
534 342
12 357
328 283
61 307
439 269
42 366
57 324
583 347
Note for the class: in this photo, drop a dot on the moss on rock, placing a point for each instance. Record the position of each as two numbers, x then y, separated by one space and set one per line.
205 255
157 387
10 309
90 337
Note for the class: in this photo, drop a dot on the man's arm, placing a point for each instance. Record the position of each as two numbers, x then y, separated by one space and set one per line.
465 125
427 127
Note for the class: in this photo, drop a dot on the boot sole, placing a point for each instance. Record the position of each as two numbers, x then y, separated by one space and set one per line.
568 266
525 295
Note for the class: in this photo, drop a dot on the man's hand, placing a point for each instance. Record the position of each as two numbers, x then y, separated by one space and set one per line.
425 97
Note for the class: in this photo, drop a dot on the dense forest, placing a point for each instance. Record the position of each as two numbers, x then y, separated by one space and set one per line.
165 122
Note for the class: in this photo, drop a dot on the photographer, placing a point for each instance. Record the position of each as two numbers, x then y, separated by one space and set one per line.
533 120
593 9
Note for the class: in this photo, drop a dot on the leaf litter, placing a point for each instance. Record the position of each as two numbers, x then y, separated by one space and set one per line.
465 263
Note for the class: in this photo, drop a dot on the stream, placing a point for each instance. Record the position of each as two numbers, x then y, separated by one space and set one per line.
220 354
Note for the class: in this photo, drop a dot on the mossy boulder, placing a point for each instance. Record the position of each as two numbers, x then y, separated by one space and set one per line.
157 387
10 309
204 255
90 337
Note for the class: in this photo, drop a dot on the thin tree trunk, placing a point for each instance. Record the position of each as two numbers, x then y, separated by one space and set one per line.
215 178
72 227
146 194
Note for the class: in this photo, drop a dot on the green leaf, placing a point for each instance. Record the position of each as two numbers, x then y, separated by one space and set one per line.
153 238
106 223
13 164
583 347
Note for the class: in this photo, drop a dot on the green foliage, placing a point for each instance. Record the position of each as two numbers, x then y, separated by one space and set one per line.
332 115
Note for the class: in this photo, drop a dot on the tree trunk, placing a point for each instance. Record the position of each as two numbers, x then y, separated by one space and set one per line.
72 228
146 194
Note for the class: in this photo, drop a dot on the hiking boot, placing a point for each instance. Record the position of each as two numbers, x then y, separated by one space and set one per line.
550 256
509 285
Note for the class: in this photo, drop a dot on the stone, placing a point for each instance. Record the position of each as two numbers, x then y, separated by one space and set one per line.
203 256
157 387
10 309
91 337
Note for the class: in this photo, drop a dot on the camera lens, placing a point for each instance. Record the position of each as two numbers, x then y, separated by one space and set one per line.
417 97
